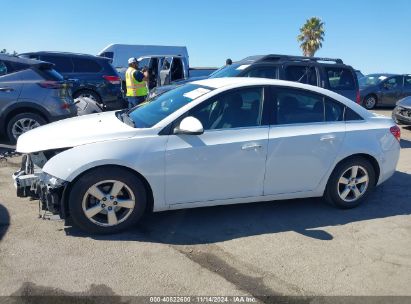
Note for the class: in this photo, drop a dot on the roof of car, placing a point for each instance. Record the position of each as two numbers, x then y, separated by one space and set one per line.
280 58
62 54
31 62
216 83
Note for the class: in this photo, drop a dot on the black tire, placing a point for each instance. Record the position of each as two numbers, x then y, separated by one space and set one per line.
85 182
332 192
370 101
88 93
12 123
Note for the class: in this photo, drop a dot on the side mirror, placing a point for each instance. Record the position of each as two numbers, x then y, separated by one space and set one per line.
189 126
386 86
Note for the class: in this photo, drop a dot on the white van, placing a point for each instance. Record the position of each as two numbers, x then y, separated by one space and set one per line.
120 53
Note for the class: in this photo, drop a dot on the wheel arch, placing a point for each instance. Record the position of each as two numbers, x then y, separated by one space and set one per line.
85 89
368 157
371 94
21 108
64 210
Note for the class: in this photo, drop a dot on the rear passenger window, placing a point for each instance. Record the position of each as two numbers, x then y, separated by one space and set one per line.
351 115
62 64
303 74
297 106
84 65
340 78
263 72
333 110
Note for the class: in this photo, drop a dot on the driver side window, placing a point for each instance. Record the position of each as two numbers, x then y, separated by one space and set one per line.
393 83
235 109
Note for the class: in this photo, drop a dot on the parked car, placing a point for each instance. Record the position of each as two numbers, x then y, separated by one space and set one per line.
331 74
402 111
384 89
93 76
205 143
32 94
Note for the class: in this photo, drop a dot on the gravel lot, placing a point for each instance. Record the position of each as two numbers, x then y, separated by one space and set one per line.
298 247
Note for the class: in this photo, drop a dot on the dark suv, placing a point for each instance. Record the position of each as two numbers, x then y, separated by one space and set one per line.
92 76
331 74
32 93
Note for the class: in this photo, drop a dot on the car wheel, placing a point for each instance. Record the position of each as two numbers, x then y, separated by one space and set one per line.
89 94
105 201
370 102
22 123
350 183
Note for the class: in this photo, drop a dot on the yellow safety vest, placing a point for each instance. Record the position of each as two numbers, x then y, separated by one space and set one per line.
134 87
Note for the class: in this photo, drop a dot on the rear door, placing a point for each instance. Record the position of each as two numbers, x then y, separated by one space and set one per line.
391 90
10 84
305 136
341 80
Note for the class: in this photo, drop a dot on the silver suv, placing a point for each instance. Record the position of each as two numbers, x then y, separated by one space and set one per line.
32 94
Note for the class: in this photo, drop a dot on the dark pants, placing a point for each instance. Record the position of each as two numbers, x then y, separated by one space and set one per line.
133 101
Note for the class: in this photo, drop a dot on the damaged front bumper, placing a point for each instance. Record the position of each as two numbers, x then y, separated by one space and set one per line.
31 181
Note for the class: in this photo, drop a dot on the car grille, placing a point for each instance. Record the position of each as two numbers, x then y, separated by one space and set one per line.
405 112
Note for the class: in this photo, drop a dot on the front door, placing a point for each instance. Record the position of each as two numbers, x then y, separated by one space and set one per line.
304 140
228 160
391 90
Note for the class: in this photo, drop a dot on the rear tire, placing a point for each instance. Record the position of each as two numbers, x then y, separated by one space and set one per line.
370 102
107 200
22 123
350 183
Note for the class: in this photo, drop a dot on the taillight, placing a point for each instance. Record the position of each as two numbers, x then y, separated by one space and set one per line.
396 131
358 98
112 79
51 84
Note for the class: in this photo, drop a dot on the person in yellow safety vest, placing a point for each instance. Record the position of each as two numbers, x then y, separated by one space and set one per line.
136 83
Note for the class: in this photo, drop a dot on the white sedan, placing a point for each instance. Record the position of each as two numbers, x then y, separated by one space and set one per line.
209 142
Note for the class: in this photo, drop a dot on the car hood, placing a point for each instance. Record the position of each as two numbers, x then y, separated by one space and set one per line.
405 102
75 131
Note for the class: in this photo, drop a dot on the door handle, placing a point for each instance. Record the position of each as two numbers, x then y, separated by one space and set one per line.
251 147
7 90
327 138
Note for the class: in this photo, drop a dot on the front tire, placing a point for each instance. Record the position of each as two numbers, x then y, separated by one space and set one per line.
350 183
107 200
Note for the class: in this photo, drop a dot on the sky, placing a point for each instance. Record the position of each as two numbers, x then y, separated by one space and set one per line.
370 35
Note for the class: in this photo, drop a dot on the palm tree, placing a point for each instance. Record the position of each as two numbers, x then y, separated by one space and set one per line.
311 36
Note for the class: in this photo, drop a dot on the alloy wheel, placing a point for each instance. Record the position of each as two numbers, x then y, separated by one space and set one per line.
108 203
370 102
23 125
353 183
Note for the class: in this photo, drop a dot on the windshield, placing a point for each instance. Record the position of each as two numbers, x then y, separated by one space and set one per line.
371 80
150 113
229 71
